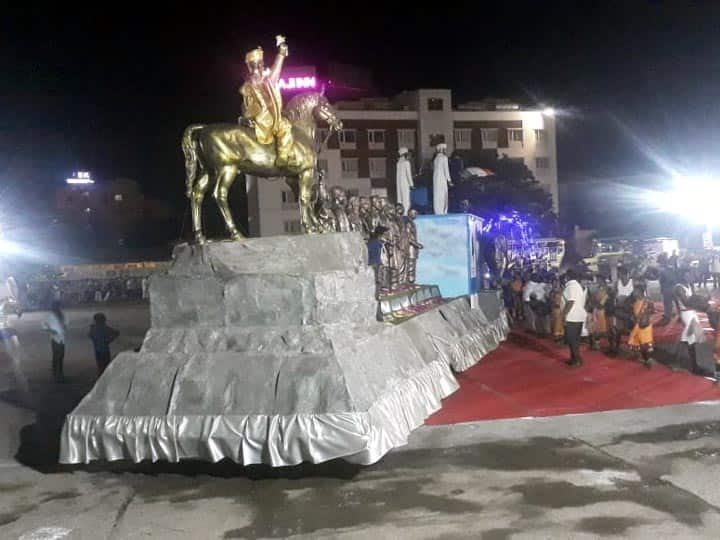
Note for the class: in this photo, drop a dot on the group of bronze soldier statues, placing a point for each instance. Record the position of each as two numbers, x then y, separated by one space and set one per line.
378 220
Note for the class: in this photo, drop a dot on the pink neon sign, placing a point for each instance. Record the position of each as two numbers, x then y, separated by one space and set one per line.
297 83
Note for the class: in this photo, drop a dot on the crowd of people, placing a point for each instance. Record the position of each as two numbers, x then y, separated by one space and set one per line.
41 294
616 314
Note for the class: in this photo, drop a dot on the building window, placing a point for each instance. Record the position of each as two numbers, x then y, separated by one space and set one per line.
489 137
289 201
348 139
320 135
515 135
406 138
118 197
540 135
435 104
350 167
542 162
292 226
463 139
376 139
288 197
378 168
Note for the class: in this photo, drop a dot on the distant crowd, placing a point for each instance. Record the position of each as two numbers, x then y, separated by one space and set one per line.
41 294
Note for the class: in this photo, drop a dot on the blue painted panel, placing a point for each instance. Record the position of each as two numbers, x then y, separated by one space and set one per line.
450 255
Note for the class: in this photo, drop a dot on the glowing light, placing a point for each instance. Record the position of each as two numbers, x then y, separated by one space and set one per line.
694 197
549 111
297 83
80 177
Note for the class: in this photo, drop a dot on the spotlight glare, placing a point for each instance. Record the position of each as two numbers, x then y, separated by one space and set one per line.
694 198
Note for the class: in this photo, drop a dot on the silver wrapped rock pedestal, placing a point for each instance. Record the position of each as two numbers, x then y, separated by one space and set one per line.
266 351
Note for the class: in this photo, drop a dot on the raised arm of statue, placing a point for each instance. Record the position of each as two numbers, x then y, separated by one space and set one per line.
277 66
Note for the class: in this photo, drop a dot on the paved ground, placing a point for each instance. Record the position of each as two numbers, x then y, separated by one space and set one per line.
650 473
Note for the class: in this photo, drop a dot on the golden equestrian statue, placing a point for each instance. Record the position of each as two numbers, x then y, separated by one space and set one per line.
269 142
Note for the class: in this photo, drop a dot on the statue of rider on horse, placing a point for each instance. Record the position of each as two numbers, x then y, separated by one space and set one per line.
270 141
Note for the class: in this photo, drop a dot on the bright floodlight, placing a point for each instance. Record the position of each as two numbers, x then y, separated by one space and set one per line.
694 197
549 111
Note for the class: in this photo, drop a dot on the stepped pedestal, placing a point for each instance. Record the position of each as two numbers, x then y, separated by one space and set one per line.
269 351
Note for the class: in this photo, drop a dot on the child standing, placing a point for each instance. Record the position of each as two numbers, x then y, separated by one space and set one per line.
102 335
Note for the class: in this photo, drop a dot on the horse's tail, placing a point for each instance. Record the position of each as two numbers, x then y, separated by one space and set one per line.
191 158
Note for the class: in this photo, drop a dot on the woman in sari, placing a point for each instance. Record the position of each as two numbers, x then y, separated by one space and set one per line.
641 335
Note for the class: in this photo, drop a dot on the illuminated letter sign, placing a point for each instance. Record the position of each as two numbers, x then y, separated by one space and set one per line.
81 177
297 83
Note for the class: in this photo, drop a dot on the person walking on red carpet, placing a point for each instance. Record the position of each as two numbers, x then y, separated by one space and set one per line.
597 319
622 310
574 315
641 336
692 332
557 314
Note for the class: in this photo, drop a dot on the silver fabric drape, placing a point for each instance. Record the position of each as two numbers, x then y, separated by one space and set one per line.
226 373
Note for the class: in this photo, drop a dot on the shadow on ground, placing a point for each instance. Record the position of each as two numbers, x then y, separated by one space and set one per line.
40 442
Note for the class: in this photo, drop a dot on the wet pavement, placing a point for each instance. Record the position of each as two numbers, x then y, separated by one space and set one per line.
632 474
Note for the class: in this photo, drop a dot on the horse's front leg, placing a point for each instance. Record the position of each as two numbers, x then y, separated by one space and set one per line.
196 200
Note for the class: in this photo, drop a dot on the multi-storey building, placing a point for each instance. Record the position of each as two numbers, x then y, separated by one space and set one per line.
362 156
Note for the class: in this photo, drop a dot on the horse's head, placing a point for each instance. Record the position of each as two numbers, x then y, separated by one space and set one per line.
305 109
324 112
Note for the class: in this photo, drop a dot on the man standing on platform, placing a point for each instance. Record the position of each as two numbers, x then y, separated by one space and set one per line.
441 180
575 315
404 179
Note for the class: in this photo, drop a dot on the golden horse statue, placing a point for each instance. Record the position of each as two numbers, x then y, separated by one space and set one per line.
215 154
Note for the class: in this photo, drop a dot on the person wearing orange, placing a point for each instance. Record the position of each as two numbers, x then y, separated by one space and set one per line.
598 320
641 335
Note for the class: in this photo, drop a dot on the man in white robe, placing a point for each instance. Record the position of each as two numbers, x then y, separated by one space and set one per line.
404 179
441 180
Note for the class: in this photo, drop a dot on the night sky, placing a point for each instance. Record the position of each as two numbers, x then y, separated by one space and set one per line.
111 91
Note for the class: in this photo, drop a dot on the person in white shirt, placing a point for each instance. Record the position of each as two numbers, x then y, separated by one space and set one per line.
441 180
692 332
55 325
404 179
715 270
529 290
540 306
624 288
574 315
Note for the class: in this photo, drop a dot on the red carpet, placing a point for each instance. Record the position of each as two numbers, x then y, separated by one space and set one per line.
527 376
